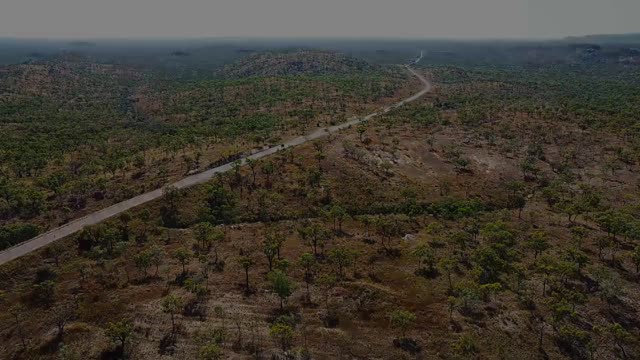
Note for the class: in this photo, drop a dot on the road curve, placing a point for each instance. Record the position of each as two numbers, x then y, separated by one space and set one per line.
199 178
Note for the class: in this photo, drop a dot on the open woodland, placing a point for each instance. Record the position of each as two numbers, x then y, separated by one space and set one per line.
497 217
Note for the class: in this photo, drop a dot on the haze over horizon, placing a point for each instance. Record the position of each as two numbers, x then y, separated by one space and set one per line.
471 19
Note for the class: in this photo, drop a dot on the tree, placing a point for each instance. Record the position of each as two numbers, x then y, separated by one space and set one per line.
270 248
327 282
282 333
172 305
613 222
62 314
461 239
267 170
17 312
281 285
169 212
319 154
308 263
143 261
140 230
246 263
184 257
517 199
620 337
603 242
221 204
547 266
609 283
366 221
451 305
252 165
125 219
403 321
361 130
386 229
426 257
577 257
120 332
338 214
156 257
635 257
216 238
472 227
55 251
448 264
341 258
538 243
315 235
202 233
489 264
465 346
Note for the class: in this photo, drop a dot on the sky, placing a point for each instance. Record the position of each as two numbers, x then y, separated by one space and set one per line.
316 18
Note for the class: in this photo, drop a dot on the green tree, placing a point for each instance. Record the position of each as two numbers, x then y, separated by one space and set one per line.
547 266
447 265
327 282
246 263
337 214
538 243
403 321
216 238
169 212
157 255
267 170
281 285
270 250
221 204
577 257
202 233
309 263
341 258
120 332
426 258
253 164
315 235
282 334
184 257
172 305
516 198
143 261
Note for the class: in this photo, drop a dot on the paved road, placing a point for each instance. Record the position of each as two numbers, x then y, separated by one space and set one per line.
113 210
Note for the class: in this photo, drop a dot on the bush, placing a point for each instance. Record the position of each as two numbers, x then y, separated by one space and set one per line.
14 234
210 352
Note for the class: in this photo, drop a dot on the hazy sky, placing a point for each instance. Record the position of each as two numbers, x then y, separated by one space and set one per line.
320 18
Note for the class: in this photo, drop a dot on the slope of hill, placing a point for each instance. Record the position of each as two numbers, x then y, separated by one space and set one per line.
302 62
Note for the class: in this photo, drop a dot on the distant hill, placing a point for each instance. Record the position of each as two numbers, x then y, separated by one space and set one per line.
302 62
633 38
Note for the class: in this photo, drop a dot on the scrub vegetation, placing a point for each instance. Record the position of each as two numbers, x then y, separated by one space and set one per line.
495 218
